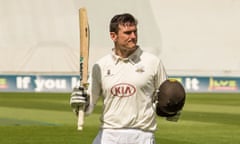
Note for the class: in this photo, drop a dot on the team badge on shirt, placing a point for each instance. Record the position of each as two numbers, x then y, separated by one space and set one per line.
140 68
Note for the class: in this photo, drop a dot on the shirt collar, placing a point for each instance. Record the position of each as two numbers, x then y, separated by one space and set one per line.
133 58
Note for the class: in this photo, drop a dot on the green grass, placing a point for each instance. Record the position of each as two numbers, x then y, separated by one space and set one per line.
40 118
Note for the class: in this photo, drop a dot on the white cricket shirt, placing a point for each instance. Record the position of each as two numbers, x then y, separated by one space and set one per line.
127 86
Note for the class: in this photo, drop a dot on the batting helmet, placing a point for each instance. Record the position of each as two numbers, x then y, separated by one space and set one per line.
171 98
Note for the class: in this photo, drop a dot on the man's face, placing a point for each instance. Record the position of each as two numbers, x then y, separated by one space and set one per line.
126 38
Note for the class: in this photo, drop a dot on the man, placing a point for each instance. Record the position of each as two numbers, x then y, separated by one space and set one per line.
127 80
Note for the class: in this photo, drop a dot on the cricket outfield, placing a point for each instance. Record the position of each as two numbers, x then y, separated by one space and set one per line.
41 118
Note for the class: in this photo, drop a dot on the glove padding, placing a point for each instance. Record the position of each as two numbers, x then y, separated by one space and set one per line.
171 98
79 98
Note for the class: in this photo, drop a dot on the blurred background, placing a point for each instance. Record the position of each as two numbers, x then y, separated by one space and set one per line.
193 38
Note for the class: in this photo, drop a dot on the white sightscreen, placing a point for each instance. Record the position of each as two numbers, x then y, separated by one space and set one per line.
38 36
191 37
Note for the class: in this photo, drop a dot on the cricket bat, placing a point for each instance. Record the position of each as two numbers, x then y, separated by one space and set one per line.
84 54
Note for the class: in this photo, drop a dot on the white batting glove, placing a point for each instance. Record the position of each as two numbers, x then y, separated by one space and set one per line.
79 98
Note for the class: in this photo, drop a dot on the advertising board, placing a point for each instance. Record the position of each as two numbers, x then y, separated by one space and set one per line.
65 83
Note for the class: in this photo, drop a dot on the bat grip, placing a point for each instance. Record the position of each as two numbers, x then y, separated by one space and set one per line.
80 118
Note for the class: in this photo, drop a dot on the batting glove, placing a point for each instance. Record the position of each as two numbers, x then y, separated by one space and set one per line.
79 98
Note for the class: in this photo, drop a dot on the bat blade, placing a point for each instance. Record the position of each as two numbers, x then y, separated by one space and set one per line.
84 45
84 56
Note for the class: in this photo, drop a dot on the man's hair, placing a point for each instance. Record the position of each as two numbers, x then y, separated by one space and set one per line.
121 19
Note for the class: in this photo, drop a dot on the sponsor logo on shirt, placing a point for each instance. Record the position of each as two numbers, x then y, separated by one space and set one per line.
123 90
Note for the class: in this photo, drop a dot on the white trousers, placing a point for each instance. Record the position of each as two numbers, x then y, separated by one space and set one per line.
124 136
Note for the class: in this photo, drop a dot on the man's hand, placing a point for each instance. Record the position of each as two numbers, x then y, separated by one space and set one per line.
79 98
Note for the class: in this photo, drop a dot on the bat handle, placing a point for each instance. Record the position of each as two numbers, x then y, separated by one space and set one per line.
80 118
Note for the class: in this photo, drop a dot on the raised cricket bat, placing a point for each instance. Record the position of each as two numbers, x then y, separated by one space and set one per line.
84 54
